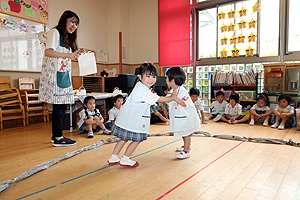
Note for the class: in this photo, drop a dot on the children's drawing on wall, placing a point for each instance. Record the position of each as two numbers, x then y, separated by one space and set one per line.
28 9
25 54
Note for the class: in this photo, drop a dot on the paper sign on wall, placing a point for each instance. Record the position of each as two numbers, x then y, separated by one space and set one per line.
87 64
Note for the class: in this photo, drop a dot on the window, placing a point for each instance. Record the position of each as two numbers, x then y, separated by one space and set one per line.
293 26
207 33
269 28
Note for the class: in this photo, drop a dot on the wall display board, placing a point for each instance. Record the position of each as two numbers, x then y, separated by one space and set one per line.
36 10
20 48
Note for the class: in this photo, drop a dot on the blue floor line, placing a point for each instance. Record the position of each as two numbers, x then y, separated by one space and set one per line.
37 192
95 171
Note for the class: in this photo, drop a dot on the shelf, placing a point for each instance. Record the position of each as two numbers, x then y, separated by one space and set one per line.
213 99
234 86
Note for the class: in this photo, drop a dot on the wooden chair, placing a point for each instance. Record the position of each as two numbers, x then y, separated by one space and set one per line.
30 96
10 102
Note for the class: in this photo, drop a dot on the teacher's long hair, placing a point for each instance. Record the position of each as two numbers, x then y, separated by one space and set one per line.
68 39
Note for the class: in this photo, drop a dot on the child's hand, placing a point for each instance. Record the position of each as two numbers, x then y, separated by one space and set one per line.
203 122
73 56
232 119
81 50
174 94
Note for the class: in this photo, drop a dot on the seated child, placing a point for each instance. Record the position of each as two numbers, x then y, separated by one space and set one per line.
158 113
90 118
233 111
261 111
217 107
284 113
195 93
114 111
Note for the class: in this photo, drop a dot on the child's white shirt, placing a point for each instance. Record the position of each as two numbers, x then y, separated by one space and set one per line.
218 107
265 108
233 111
83 116
288 108
112 114
150 98
198 104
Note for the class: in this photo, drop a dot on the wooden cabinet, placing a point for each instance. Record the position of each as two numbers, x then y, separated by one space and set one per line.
90 83
275 77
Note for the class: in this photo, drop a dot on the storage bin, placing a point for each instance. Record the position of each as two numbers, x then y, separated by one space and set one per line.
247 95
227 93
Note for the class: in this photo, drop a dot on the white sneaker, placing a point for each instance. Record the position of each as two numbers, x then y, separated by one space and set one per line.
281 126
265 123
182 155
251 122
128 163
113 161
274 125
180 149
107 132
90 134
217 118
206 119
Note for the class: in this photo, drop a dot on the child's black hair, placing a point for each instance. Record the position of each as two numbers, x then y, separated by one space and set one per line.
194 91
264 97
219 93
145 69
87 98
164 88
235 97
119 96
286 97
85 102
177 74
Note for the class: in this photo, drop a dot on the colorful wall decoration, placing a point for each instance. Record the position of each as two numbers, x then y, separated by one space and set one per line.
237 29
36 10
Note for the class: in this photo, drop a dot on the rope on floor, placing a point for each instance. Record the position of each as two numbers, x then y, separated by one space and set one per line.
6 184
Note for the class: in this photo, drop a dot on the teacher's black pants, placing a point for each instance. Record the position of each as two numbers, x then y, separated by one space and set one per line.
58 115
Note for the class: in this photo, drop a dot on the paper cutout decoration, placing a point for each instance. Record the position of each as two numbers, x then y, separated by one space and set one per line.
44 16
29 12
242 24
256 7
252 24
23 26
233 40
224 41
221 15
249 51
243 12
10 23
25 54
235 52
241 39
231 14
2 22
223 53
223 28
251 37
231 27
5 7
15 6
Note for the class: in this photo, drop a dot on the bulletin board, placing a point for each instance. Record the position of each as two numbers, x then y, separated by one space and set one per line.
35 10
20 48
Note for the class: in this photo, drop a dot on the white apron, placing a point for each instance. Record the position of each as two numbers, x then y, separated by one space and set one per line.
55 83
183 120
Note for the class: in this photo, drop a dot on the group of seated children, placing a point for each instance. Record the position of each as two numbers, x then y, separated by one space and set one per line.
260 112
92 121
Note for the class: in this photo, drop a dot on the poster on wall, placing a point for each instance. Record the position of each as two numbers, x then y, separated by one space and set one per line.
36 10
